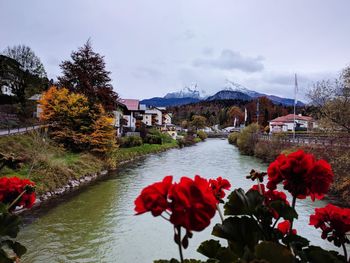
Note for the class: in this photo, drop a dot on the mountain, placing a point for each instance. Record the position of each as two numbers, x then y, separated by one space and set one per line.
166 102
186 92
231 91
235 87
230 95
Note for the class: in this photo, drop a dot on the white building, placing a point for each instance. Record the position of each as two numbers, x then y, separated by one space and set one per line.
38 110
286 123
167 118
156 116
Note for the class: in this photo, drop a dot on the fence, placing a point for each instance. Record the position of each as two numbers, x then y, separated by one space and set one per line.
19 129
309 139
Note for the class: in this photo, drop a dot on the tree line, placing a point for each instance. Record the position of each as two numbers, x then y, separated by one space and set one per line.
23 75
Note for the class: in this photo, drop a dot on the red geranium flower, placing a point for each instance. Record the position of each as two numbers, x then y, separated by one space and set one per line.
192 203
302 175
11 188
334 223
154 198
271 195
284 227
218 186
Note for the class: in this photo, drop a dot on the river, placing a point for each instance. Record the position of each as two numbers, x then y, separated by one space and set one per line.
99 225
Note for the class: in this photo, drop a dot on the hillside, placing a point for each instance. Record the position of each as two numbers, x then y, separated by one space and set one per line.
223 112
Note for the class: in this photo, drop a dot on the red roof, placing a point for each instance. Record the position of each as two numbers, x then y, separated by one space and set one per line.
290 118
132 105
277 123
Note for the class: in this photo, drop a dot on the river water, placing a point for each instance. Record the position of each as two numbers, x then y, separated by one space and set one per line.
98 224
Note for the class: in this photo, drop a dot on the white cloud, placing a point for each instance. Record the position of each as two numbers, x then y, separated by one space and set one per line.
229 60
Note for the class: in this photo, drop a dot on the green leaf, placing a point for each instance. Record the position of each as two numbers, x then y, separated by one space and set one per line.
9 225
226 255
296 241
19 249
209 248
241 203
241 232
284 210
319 255
273 252
215 252
3 208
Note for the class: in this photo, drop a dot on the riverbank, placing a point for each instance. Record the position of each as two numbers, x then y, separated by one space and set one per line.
56 170
93 225
337 156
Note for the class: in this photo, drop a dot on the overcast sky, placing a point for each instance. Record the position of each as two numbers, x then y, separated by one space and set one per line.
157 46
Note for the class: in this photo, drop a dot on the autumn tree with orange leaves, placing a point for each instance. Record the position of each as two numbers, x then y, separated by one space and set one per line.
76 123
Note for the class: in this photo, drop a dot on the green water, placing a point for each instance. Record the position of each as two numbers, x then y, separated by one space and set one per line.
98 224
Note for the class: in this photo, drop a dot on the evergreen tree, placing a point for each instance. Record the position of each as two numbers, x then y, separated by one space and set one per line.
86 74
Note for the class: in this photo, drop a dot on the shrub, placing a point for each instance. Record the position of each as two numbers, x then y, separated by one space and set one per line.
232 138
152 139
130 141
202 135
188 140
165 138
269 150
246 140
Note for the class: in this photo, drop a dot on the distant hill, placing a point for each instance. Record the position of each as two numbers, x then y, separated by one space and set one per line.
166 102
232 91
230 95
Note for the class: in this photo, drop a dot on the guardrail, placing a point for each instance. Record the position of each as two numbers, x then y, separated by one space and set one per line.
308 139
21 130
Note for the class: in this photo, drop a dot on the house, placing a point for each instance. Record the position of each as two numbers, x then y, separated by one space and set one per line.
170 129
155 115
35 98
167 118
118 117
133 116
286 123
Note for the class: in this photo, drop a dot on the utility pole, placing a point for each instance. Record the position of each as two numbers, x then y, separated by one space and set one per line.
257 112
295 102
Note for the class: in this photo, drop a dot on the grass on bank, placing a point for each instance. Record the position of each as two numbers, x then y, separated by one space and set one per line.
50 166
125 154
47 164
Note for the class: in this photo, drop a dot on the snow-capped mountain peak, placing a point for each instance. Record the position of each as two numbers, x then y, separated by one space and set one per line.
187 92
233 86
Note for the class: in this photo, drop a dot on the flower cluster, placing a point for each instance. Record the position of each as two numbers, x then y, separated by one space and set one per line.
154 198
301 174
218 186
191 203
12 188
334 223
284 228
271 195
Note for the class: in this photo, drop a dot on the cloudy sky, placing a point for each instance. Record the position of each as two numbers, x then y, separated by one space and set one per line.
157 46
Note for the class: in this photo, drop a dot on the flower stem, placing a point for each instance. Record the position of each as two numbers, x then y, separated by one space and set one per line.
220 213
293 205
16 200
259 186
179 243
274 224
165 218
345 253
